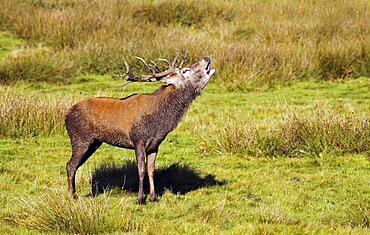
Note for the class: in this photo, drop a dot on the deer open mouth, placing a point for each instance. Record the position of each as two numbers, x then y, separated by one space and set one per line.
208 61
208 68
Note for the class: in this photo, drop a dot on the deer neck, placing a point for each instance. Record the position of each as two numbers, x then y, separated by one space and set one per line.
173 103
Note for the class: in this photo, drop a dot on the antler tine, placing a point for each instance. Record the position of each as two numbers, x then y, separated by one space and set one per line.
129 75
183 60
155 66
146 64
165 60
127 71
176 58
127 67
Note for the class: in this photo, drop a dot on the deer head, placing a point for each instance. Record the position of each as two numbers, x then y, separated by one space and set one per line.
196 75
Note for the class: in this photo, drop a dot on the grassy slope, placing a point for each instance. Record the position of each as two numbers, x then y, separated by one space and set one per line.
261 195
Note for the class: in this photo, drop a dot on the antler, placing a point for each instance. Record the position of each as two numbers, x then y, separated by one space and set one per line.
183 60
155 75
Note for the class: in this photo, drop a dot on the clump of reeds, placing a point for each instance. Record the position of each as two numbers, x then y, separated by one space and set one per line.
54 211
23 115
358 214
293 136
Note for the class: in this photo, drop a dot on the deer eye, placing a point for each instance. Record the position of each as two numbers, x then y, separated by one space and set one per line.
185 71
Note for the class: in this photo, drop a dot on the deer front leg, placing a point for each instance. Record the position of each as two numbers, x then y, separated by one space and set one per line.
140 158
151 169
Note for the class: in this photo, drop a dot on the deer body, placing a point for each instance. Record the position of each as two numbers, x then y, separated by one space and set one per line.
138 119
140 122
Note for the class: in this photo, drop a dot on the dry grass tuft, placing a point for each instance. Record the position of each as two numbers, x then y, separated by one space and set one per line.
321 133
56 212
26 116
358 214
275 216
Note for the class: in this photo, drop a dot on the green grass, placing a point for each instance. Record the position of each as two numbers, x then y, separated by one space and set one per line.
308 194
8 43
280 195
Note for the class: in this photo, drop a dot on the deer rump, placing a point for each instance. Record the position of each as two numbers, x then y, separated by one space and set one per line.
140 122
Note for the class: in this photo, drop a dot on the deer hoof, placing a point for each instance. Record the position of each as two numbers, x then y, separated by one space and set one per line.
141 201
153 199
73 196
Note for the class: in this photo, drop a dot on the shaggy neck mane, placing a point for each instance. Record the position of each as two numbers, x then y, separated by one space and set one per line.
173 104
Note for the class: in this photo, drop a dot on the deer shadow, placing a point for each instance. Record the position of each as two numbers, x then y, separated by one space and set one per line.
177 178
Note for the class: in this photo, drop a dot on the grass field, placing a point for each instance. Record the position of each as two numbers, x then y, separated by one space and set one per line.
244 193
278 143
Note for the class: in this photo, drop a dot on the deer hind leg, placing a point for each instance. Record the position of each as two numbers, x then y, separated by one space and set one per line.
151 168
80 153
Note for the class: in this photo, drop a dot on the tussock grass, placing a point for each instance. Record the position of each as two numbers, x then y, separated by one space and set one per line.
23 115
251 42
294 136
275 216
55 212
358 214
35 64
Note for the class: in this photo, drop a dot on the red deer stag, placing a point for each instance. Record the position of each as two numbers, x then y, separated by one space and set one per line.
139 122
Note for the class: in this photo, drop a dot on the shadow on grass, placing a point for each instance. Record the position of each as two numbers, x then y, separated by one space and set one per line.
178 178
